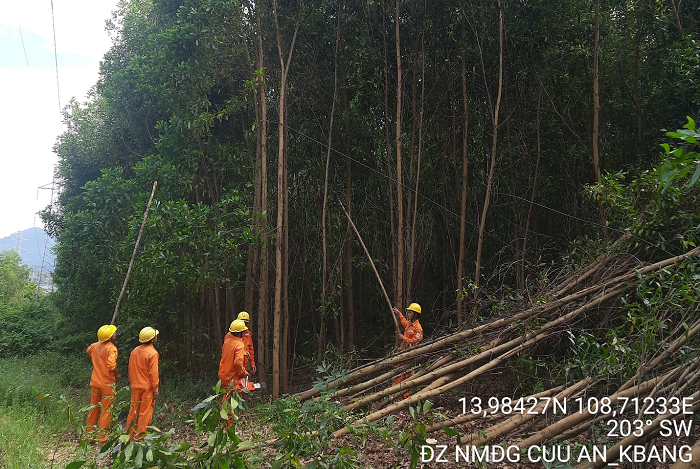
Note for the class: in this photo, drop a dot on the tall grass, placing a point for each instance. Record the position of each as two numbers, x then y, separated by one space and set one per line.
31 412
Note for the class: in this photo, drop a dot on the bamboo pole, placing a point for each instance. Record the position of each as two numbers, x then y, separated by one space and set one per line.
133 254
613 453
413 382
437 345
469 416
544 332
482 436
548 433
386 297
667 353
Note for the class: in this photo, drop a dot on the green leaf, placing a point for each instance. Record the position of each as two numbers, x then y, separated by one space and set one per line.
129 451
427 406
695 177
690 125
450 432
75 464
138 460
246 445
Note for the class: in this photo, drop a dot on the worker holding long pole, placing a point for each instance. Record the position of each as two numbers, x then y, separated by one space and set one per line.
412 335
103 354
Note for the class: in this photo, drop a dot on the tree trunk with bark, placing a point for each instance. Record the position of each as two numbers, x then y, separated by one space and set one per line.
280 247
492 169
463 204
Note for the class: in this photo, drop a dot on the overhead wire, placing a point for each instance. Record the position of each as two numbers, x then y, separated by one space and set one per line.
23 47
55 56
391 178
590 222
409 188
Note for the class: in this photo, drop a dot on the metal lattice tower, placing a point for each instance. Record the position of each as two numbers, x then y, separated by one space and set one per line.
46 236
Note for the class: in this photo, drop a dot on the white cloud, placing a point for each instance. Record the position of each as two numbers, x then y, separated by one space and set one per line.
30 119
79 23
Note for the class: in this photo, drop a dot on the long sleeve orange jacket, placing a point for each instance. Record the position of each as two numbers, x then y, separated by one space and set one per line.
232 366
248 341
143 368
412 331
104 361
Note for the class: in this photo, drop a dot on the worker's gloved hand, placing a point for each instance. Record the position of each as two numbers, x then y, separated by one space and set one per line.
155 398
401 337
395 310
254 368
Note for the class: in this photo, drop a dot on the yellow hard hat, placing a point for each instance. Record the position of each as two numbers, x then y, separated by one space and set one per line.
244 316
106 332
147 333
414 307
237 326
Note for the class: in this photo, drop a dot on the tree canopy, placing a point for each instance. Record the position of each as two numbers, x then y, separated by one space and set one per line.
239 109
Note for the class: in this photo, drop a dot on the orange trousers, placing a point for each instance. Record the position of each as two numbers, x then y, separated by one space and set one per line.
238 386
401 379
141 410
102 400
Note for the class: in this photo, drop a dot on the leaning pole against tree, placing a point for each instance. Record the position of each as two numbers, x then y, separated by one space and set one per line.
133 254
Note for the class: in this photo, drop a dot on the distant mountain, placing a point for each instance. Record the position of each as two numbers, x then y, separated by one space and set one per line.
30 246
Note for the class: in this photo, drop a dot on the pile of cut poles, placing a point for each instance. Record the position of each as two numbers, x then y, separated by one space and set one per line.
443 367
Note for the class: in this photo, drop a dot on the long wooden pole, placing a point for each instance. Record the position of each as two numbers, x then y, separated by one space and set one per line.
386 297
133 254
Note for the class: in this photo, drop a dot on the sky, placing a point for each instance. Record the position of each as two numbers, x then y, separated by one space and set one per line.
30 120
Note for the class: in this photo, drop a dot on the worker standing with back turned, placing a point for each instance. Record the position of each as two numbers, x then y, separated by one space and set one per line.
234 358
104 376
248 340
144 379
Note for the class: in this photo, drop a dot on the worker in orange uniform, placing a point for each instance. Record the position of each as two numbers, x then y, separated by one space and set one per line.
248 340
412 335
234 357
412 330
104 376
144 379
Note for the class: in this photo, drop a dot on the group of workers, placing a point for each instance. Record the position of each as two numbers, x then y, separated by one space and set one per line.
237 362
143 377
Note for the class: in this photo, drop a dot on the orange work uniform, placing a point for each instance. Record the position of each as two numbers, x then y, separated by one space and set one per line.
232 367
412 334
104 362
144 379
248 342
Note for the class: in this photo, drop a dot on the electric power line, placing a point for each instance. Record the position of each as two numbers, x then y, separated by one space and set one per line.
23 48
458 216
55 56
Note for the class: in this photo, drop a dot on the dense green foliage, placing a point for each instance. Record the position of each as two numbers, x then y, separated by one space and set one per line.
176 102
14 278
26 327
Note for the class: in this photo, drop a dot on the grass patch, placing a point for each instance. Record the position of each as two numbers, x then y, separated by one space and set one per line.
32 414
